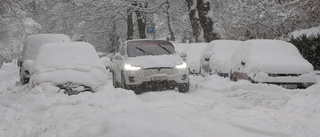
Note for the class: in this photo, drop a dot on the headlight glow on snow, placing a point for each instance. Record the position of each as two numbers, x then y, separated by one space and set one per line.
131 67
181 66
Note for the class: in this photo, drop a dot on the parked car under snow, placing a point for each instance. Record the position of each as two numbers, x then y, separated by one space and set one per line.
74 67
220 60
192 50
149 64
273 62
30 50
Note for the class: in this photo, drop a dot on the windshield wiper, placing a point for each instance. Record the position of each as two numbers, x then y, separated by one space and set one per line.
144 51
164 48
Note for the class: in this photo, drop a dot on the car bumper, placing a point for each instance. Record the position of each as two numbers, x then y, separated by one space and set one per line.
156 76
290 82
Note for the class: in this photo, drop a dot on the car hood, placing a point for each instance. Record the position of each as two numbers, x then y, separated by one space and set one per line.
90 76
155 61
283 66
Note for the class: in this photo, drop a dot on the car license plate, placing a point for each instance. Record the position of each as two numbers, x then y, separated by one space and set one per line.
289 86
159 78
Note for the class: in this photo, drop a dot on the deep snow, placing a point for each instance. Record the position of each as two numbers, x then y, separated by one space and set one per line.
214 106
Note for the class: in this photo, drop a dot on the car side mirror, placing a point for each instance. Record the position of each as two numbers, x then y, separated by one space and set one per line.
183 55
117 56
243 63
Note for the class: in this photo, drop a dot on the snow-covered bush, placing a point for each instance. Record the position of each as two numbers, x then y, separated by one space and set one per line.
309 47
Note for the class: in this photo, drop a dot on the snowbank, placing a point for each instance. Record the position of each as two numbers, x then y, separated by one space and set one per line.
215 106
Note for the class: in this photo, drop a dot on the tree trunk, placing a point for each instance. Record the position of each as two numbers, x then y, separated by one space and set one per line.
205 21
129 25
195 24
172 38
141 19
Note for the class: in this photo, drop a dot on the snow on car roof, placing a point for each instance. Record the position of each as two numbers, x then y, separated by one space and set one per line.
33 43
53 55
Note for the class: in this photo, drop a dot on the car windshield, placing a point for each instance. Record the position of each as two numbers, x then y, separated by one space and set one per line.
150 47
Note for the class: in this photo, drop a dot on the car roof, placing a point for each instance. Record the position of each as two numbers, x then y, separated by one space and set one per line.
35 41
52 55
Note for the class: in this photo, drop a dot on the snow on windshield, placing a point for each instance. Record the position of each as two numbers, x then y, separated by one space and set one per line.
33 43
149 47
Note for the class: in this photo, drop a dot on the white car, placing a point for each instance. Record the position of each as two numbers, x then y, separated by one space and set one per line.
31 48
192 50
149 64
273 62
74 67
220 60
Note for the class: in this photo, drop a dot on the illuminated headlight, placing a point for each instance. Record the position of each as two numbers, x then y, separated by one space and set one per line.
131 67
181 66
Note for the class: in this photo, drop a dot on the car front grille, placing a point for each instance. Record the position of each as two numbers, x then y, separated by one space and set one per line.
73 89
284 75
160 70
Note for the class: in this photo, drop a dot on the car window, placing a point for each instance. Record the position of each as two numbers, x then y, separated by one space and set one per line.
152 47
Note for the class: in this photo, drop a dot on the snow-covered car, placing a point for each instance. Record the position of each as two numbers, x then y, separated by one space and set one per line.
220 60
273 62
192 50
31 48
150 64
205 57
106 61
74 67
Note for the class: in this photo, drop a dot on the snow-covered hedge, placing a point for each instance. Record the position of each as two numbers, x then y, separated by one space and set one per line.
309 47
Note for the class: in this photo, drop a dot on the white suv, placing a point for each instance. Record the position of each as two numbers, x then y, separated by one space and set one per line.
149 65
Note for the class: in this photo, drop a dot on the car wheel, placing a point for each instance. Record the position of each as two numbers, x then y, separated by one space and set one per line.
24 80
232 78
115 82
183 88
138 91
251 80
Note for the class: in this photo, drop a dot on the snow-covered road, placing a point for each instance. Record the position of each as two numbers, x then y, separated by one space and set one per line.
214 106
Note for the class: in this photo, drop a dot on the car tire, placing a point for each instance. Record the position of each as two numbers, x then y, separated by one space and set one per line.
183 88
24 80
251 80
233 78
